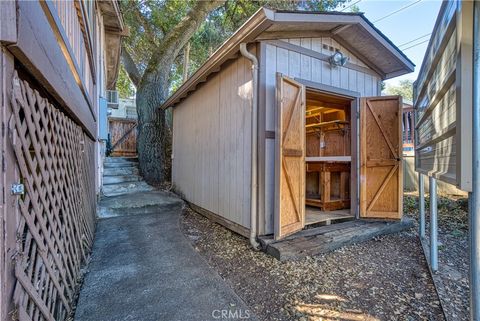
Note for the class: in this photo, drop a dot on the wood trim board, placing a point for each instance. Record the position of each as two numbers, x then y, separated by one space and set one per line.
8 22
237 228
329 159
36 48
337 91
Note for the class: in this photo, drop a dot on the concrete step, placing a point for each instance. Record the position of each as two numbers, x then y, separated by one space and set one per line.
121 171
154 202
126 188
120 164
108 180
121 159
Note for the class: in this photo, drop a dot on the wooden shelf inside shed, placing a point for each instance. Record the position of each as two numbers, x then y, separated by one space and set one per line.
327 123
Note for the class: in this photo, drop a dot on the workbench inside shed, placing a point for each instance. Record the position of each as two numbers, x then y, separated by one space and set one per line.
328 158
333 191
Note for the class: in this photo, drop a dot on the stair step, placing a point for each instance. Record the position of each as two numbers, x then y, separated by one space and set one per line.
108 179
121 159
120 165
120 171
126 188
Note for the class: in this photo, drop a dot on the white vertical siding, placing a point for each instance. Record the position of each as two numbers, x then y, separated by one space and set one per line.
212 143
296 65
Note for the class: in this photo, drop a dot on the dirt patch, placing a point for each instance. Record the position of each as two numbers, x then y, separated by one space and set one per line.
383 279
452 277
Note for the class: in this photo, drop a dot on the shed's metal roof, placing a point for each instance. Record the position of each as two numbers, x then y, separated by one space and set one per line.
352 31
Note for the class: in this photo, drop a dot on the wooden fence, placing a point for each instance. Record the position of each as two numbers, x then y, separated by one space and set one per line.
54 219
123 136
408 129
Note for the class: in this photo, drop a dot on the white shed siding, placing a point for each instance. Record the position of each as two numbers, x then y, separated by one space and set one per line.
296 65
212 143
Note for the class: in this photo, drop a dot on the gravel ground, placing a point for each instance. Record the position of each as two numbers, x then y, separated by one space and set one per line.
383 279
452 277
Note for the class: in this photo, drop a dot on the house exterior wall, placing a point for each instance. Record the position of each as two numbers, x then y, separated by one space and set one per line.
212 144
49 53
126 109
295 64
443 103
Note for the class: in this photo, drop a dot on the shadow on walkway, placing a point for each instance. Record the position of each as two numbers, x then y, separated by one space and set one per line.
143 268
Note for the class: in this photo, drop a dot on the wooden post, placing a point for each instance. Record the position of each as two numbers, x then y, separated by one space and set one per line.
9 210
421 195
433 225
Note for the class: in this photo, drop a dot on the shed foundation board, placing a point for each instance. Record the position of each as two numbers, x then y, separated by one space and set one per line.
328 238
221 220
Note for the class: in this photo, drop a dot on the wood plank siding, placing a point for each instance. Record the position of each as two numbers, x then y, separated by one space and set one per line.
212 143
40 49
295 64
52 71
443 99
211 110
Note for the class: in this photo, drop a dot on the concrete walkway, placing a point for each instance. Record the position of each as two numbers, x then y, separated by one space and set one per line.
143 268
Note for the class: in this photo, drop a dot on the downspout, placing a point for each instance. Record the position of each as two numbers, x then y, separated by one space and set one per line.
253 159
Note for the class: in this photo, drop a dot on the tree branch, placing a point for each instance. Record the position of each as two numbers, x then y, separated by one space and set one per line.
130 67
176 39
144 22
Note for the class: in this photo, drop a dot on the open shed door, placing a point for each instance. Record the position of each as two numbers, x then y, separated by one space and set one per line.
289 216
381 170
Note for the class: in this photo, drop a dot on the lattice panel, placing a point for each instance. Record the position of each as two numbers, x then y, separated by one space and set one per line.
57 212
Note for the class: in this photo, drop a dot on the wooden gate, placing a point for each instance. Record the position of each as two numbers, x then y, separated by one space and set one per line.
381 176
289 157
123 136
53 221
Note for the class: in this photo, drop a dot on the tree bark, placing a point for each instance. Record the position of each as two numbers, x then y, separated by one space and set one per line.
154 136
153 139
186 62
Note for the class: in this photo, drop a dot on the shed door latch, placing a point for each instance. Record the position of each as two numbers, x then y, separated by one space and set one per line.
18 189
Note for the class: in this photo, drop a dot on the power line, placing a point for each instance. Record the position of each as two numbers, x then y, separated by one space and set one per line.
417 44
396 11
350 6
413 40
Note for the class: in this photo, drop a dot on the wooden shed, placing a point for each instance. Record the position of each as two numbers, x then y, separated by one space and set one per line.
284 125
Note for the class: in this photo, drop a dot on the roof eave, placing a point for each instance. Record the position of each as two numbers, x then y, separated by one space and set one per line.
263 19
259 21
111 9
349 19
409 65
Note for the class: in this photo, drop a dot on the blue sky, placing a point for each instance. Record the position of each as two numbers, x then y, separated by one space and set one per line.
402 27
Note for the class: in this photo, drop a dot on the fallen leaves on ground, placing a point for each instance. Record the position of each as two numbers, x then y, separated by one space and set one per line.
452 277
383 279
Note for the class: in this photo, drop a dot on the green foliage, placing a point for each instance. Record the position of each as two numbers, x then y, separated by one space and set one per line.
124 84
404 89
150 20
224 21
355 8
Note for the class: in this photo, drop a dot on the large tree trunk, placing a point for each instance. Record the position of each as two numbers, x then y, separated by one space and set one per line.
154 138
